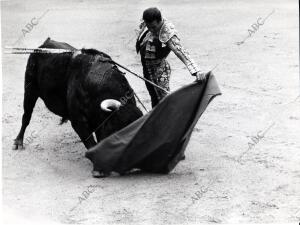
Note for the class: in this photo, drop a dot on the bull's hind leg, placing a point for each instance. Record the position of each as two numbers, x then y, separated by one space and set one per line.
30 98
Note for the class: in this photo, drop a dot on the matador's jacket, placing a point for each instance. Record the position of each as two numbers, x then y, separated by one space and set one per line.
154 48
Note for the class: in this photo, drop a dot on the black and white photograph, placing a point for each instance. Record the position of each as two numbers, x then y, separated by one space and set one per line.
154 112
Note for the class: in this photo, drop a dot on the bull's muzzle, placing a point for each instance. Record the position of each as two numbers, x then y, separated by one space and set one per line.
109 105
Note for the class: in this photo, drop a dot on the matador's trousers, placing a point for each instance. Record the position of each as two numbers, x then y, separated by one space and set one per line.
157 71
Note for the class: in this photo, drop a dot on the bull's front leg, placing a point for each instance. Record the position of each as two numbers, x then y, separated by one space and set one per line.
86 136
84 132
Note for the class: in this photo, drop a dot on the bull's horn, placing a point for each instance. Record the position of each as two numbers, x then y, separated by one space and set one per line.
110 104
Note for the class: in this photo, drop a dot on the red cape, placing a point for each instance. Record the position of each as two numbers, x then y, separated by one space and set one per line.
156 142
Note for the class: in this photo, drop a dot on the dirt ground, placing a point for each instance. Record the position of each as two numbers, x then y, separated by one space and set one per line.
242 163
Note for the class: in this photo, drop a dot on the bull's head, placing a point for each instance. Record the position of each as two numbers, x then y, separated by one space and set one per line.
119 115
116 105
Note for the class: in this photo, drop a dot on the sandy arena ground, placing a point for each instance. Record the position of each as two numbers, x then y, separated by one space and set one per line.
222 180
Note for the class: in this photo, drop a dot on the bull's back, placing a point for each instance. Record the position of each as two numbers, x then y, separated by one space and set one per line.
56 45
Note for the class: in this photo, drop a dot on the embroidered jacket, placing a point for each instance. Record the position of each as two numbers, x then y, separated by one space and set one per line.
154 48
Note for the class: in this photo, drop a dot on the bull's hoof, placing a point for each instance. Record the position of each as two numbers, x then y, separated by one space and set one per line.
18 145
182 157
99 174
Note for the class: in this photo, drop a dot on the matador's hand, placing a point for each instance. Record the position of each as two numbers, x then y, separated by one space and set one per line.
200 76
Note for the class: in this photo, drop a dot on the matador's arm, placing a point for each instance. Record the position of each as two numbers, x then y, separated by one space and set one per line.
168 36
175 45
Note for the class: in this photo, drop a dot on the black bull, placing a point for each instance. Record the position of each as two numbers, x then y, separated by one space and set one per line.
73 86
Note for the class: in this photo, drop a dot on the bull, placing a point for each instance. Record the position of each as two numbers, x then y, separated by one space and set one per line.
82 86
